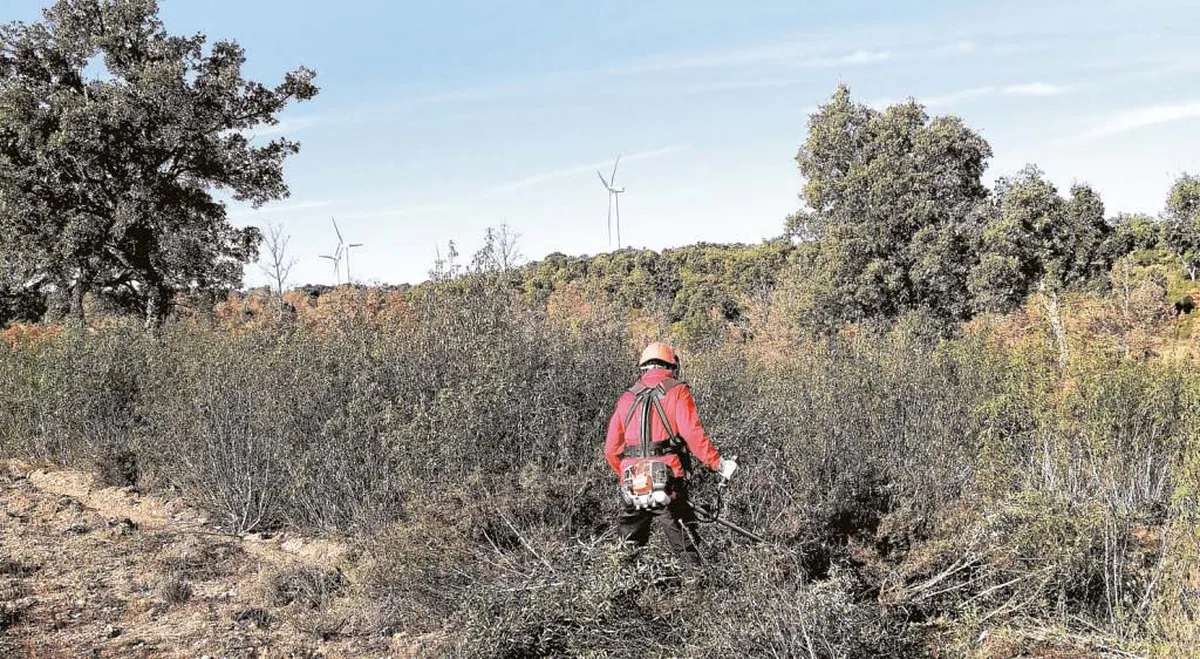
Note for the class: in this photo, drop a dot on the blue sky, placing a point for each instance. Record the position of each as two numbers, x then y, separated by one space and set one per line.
437 120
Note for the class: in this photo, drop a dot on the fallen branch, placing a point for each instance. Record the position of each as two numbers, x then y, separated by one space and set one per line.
527 545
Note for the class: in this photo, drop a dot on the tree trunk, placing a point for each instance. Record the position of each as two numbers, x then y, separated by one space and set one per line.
1054 315
1189 267
279 301
156 306
76 313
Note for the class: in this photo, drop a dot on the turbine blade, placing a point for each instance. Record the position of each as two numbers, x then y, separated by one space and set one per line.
606 185
337 230
613 179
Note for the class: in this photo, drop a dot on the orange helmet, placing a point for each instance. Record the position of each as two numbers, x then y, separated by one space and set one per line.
659 352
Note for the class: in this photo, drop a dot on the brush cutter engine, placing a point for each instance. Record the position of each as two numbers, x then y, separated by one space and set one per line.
645 485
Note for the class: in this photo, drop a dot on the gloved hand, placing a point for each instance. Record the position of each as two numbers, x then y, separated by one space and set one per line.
727 467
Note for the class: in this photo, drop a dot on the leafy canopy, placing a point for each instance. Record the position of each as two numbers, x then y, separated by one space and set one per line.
114 134
889 196
1035 239
1181 228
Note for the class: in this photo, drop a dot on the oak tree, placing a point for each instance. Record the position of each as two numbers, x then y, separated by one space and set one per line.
115 136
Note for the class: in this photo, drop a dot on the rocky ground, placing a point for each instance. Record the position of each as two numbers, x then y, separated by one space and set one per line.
89 571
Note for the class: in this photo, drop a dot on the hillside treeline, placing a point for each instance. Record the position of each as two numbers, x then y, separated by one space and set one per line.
897 225
896 222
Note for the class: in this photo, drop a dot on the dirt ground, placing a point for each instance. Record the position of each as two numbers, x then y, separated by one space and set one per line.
88 571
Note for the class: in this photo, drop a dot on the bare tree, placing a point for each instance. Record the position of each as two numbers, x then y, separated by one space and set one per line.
447 268
507 252
278 264
499 252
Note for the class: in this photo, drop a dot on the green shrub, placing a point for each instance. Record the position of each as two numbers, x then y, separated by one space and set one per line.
917 490
74 399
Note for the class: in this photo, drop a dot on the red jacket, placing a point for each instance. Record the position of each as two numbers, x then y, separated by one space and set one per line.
685 422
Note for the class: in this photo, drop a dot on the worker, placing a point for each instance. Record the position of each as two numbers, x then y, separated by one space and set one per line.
653 435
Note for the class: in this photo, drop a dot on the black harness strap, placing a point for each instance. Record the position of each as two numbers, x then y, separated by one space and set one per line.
647 398
638 389
656 399
645 437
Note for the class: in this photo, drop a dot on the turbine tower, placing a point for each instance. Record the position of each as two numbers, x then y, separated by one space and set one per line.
349 279
614 200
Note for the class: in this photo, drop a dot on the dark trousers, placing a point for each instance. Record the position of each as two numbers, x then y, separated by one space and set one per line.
634 526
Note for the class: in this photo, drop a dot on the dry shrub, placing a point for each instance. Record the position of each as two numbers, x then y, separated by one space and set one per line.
320 623
11 613
913 487
117 466
417 570
173 587
74 399
1175 614
314 600
202 559
591 599
307 586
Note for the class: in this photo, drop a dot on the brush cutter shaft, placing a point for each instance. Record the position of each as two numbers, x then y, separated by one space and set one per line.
711 514
737 529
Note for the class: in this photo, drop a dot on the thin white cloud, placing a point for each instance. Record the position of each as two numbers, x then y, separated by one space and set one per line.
685 61
1018 48
285 207
1136 118
960 95
463 200
1035 89
952 49
1024 89
733 85
801 54
580 169
400 211
476 94
880 103
856 57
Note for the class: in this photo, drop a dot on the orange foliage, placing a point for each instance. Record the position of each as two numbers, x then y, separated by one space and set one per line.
258 309
571 305
29 334
252 310
645 328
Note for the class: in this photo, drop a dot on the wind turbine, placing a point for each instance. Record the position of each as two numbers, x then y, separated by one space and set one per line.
344 249
614 199
337 256
349 247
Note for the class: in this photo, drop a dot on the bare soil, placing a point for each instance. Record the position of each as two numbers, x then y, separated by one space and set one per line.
90 571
